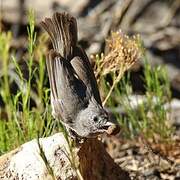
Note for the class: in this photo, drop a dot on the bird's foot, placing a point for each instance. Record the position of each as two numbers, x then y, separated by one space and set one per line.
75 137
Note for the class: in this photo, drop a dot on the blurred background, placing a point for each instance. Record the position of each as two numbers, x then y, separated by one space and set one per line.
157 22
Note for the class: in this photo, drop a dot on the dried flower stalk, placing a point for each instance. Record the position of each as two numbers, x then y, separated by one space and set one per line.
123 53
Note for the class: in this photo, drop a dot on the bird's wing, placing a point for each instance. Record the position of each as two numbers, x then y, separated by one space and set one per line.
83 68
62 29
68 92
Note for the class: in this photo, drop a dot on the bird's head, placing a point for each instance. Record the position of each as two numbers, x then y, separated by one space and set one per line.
92 121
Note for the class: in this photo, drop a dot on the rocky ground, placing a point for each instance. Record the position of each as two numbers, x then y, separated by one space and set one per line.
148 159
145 160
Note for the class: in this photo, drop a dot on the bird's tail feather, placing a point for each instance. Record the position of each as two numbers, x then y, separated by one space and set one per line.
62 29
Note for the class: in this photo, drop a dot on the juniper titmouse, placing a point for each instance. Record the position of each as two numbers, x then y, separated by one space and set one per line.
75 96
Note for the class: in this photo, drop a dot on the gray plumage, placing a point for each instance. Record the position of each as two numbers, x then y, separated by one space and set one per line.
75 96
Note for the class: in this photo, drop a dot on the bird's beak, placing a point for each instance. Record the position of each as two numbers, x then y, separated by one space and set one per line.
108 123
111 128
106 126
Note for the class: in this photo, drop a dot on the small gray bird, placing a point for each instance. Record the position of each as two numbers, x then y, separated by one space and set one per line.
75 96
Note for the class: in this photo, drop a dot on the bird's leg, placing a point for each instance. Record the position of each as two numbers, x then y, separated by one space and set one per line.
74 136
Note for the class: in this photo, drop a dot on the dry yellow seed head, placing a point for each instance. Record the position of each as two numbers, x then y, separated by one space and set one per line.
123 52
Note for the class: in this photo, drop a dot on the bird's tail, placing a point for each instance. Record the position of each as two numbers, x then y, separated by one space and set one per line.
62 29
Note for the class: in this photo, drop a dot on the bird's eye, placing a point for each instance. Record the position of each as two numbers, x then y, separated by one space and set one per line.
95 119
